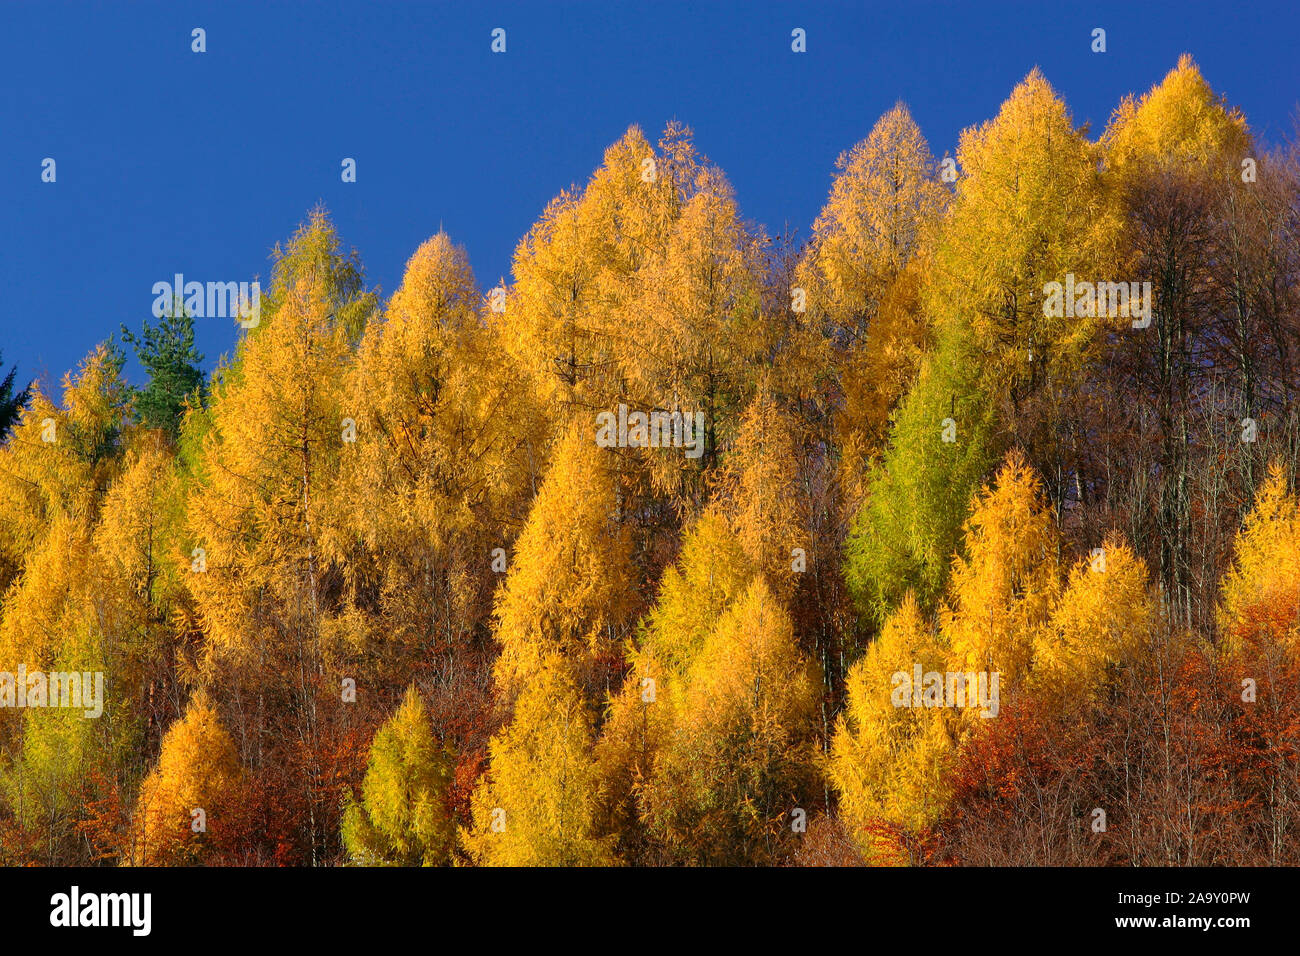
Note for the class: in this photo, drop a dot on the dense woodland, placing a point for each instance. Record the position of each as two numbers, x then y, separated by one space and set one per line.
371 593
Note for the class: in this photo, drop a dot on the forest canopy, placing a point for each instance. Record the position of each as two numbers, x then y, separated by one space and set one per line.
691 544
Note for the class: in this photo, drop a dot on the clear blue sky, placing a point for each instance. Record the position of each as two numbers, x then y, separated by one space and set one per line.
171 161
